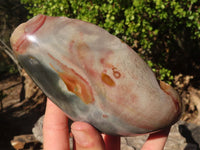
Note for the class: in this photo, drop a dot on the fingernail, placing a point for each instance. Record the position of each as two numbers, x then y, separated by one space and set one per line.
82 138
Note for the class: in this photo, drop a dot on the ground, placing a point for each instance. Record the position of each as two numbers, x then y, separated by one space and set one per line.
17 115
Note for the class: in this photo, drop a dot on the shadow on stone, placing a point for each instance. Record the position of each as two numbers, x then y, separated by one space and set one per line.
186 133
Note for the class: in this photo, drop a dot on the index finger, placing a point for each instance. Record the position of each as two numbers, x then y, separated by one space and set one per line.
55 128
156 141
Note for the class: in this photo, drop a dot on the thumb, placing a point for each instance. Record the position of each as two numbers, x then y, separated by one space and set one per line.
86 137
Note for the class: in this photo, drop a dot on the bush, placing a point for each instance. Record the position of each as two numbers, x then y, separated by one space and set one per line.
154 28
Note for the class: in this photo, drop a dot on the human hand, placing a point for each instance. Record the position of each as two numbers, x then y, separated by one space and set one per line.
56 134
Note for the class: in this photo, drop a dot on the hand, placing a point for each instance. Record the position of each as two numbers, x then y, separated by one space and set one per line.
56 134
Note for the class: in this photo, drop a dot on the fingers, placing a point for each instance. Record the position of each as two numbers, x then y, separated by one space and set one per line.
156 141
56 134
55 128
112 142
86 137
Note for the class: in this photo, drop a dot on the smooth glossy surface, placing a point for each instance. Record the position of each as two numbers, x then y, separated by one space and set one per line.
93 76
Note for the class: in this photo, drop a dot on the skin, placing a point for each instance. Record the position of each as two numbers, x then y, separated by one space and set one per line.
56 135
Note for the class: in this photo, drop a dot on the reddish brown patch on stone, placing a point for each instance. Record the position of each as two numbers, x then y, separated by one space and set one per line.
83 50
29 28
168 89
105 116
34 24
104 60
116 73
86 58
177 104
21 45
107 79
71 44
74 82
105 64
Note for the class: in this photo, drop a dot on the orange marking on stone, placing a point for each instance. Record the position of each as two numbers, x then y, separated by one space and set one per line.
107 79
74 82
77 86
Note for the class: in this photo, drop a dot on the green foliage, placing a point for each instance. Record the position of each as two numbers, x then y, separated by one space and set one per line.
161 72
7 68
6 65
157 25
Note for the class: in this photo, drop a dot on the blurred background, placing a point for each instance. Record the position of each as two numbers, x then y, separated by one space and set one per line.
165 33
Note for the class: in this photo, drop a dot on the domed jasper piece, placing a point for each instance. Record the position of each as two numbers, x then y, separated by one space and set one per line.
94 77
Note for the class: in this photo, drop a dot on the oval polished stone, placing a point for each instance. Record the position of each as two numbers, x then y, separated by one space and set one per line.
94 77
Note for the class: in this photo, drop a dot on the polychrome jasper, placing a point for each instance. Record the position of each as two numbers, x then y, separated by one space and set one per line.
93 76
